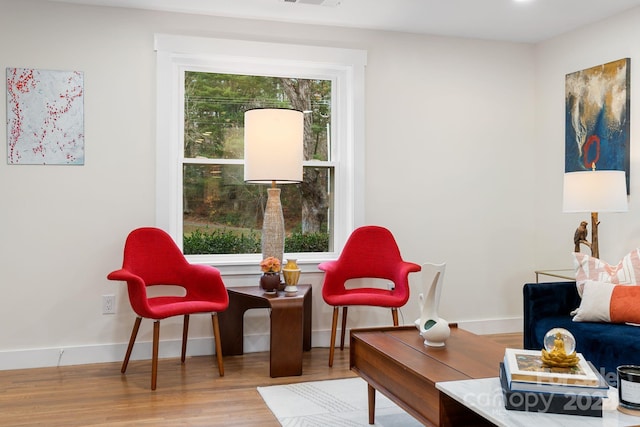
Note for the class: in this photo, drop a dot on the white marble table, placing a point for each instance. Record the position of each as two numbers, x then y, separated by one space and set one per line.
484 396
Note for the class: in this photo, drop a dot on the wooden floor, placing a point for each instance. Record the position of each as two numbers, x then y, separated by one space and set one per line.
187 395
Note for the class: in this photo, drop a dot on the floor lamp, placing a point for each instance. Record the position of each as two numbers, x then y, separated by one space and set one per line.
594 191
273 152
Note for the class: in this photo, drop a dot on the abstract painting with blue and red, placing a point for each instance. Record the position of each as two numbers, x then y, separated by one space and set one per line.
597 128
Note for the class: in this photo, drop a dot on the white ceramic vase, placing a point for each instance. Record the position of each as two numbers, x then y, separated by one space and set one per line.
434 329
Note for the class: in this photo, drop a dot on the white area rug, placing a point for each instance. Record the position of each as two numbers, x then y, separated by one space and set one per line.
331 403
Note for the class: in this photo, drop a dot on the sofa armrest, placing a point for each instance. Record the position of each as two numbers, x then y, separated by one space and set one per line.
544 300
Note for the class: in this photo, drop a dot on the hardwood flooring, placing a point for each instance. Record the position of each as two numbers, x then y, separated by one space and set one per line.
189 394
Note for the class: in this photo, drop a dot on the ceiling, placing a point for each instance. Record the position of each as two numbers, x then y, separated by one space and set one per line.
528 21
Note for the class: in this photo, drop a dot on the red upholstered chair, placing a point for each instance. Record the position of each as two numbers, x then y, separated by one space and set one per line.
151 258
370 252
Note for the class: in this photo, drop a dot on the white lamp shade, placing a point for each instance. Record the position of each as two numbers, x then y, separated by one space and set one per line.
273 145
595 191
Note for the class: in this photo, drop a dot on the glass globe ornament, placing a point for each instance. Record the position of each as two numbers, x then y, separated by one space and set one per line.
555 334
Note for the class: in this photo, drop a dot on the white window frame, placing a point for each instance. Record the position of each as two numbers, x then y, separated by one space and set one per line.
345 67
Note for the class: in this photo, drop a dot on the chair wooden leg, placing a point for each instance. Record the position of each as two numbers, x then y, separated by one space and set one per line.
216 337
132 340
185 332
334 326
344 327
394 314
154 357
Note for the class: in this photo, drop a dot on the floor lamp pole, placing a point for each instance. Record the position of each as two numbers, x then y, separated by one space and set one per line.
595 247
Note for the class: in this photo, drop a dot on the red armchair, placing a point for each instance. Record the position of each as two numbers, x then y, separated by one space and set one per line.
151 258
370 252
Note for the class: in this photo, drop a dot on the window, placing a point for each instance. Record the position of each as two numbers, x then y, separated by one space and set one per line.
204 86
222 214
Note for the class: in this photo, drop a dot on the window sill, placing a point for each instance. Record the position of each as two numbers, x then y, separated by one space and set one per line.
240 265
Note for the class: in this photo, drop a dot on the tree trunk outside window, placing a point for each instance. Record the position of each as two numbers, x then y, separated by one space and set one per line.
314 196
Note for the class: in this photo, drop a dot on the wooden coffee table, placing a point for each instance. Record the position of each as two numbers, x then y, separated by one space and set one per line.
395 362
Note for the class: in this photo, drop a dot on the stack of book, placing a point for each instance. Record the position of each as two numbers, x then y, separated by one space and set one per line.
529 385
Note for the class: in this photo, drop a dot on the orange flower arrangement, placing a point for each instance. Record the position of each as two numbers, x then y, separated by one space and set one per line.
270 265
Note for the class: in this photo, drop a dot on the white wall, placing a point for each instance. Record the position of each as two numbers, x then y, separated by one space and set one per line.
600 43
449 142
453 167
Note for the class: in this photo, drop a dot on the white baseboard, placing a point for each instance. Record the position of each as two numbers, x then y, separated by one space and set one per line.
80 355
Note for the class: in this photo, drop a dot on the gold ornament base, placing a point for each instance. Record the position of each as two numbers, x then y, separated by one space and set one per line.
558 359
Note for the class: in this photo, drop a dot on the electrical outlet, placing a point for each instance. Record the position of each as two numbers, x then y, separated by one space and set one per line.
108 304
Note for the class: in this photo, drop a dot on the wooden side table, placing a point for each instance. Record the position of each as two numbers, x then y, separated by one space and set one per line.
290 326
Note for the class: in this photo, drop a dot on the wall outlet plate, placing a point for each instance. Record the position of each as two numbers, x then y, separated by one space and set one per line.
108 304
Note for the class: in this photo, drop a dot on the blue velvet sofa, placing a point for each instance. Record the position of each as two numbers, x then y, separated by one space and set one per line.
606 345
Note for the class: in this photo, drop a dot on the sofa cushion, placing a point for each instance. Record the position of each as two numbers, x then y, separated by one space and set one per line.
626 272
606 302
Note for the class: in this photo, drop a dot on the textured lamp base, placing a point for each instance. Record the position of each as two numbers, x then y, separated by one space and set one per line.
273 226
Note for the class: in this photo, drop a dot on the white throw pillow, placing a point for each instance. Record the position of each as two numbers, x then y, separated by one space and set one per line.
596 299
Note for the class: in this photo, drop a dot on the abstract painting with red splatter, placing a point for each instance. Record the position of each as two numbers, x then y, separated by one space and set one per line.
45 117
597 118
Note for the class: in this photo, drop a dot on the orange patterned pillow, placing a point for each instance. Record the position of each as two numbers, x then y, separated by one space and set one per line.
626 272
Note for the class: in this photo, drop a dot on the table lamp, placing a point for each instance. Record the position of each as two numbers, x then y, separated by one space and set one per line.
273 152
594 191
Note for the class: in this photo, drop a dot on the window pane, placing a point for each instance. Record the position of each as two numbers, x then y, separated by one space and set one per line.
223 215
215 105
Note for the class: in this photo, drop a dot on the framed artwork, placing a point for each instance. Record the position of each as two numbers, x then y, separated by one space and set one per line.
597 119
45 117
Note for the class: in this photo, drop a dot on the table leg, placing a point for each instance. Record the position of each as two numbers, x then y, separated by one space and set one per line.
371 392
286 337
307 320
231 322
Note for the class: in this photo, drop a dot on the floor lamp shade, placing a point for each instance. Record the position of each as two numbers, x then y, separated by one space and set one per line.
273 153
595 191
